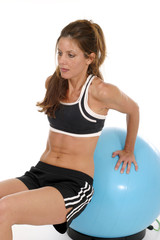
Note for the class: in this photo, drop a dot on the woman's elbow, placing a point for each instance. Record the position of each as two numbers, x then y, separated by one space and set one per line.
134 110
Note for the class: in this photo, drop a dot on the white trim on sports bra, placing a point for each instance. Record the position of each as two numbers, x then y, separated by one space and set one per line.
89 119
87 108
74 134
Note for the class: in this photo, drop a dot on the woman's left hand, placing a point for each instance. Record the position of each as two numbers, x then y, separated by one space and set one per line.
127 158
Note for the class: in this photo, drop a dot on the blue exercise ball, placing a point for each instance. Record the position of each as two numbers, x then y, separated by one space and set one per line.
123 204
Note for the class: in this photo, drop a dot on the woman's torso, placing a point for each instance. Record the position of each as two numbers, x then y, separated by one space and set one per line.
72 152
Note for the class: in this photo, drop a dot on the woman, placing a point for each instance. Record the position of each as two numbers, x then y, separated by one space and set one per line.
77 101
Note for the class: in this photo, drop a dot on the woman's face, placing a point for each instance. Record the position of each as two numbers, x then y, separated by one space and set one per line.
71 60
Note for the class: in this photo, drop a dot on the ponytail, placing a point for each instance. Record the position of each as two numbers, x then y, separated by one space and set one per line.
100 50
101 46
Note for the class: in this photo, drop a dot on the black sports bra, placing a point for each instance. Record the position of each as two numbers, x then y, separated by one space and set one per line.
77 119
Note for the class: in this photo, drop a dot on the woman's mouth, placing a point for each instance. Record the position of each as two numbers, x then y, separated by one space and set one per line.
64 69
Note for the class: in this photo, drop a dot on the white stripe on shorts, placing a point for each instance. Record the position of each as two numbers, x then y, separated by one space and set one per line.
70 200
83 203
77 209
79 196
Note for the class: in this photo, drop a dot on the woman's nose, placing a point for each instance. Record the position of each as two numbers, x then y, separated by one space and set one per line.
62 59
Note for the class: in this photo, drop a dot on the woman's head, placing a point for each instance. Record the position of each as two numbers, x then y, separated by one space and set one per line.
71 60
89 38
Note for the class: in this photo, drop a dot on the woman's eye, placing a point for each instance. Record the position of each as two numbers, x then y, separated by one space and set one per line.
59 53
71 55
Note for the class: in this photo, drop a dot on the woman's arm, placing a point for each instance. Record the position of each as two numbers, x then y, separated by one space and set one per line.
112 98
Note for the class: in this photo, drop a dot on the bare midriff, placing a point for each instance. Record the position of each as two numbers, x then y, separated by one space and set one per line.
74 153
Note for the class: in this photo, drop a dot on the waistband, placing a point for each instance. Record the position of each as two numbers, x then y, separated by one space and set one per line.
64 171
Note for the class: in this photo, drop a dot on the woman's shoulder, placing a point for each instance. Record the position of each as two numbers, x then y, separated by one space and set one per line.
101 88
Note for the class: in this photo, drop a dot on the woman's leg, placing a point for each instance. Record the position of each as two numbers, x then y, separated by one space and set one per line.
11 186
8 187
42 206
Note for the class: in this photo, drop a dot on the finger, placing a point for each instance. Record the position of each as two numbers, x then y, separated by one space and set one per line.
128 167
136 165
123 167
118 164
116 153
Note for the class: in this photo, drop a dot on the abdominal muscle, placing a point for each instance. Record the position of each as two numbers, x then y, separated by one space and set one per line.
70 152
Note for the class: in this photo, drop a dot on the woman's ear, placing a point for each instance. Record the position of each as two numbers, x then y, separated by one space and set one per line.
91 58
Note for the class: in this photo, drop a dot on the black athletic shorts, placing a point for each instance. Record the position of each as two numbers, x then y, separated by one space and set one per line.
76 187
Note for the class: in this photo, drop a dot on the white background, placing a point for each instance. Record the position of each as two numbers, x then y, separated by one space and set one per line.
28 33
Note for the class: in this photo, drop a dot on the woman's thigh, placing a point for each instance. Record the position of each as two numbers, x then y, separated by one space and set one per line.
11 186
42 206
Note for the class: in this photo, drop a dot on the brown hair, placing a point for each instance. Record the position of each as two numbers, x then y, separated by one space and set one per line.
90 39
